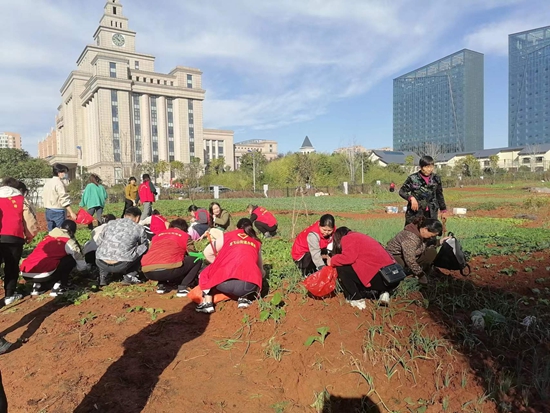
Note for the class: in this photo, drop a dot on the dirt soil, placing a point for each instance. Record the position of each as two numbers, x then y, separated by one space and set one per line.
100 357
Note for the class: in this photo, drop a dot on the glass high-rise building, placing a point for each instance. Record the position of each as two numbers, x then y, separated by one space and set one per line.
529 90
439 107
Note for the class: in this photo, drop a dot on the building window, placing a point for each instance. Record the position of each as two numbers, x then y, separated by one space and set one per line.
118 175
526 160
137 127
114 10
539 159
154 129
170 118
190 81
191 127
115 123
137 65
112 69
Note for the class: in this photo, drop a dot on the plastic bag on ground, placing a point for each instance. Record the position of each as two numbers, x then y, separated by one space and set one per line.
322 282
486 317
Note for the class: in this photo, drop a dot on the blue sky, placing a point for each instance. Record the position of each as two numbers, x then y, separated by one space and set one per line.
273 69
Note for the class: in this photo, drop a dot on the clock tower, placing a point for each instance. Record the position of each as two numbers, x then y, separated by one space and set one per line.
113 31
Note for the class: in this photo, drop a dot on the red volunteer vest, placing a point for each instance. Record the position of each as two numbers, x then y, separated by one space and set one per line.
46 256
237 259
158 224
11 217
167 247
265 216
202 216
145 194
300 246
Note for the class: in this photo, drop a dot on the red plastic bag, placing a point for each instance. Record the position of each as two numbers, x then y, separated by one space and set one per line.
83 217
195 295
322 282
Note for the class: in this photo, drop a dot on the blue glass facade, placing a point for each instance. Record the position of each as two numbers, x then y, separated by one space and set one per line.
529 93
440 106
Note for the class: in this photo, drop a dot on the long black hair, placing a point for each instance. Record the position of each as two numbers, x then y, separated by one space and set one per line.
70 227
337 239
432 225
211 211
246 225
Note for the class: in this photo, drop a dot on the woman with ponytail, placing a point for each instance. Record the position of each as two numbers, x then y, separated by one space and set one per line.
410 250
53 259
358 260
237 271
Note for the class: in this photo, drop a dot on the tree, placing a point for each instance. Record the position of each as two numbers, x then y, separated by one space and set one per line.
468 166
10 159
192 173
409 164
177 168
429 149
493 162
160 169
216 166
253 160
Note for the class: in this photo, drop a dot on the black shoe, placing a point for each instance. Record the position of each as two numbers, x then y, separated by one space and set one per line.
58 290
130 279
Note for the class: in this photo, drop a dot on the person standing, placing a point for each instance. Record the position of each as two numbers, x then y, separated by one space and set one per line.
130 195
55 198
263 220
424 192
146 193
93 198
14 231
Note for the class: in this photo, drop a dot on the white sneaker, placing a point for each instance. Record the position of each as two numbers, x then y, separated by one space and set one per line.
12 299
359 304
384 299
37 289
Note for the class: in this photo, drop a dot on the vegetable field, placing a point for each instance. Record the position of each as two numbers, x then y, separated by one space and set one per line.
127 349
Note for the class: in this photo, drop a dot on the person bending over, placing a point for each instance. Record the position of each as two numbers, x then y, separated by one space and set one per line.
410 250
424 192
120 247
17 226
90 247
263 220
310 249
358 260
93 198
53 259
219 218
168 262
154 224
200 219
237 271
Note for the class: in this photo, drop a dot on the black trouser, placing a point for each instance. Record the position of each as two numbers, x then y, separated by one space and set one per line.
3 398
306 264
121 267
60 275
127 204
425 260
236 288
11 255
264 228
200 228
184 276
354 288
90 258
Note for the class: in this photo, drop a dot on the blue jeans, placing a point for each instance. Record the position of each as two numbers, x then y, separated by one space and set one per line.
55 217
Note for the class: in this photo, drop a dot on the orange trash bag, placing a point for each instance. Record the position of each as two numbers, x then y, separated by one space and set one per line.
322 282
83 217
195 295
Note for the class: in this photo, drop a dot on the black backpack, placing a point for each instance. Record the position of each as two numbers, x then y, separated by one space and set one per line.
451 256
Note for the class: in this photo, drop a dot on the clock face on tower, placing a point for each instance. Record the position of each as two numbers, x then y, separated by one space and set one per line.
118 39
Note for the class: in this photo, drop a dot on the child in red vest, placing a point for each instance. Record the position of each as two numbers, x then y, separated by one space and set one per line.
263 220
310 249
53 259
146 193
237 271
168 262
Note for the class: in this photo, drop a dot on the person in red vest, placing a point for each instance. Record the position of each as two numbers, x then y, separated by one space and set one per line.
154 224
168 261
146 193
200 219
263 220
310 249
392 187
53 259
237 271
17 226
358 260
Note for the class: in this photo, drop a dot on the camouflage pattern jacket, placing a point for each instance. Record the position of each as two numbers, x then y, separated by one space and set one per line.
429 196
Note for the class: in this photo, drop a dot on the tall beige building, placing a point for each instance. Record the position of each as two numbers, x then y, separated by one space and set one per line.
117 112
10 140
48 146
266 147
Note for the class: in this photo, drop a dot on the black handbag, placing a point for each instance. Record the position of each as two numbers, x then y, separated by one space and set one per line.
392 274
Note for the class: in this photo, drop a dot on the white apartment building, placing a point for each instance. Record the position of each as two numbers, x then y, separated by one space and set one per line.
10 140
116 112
